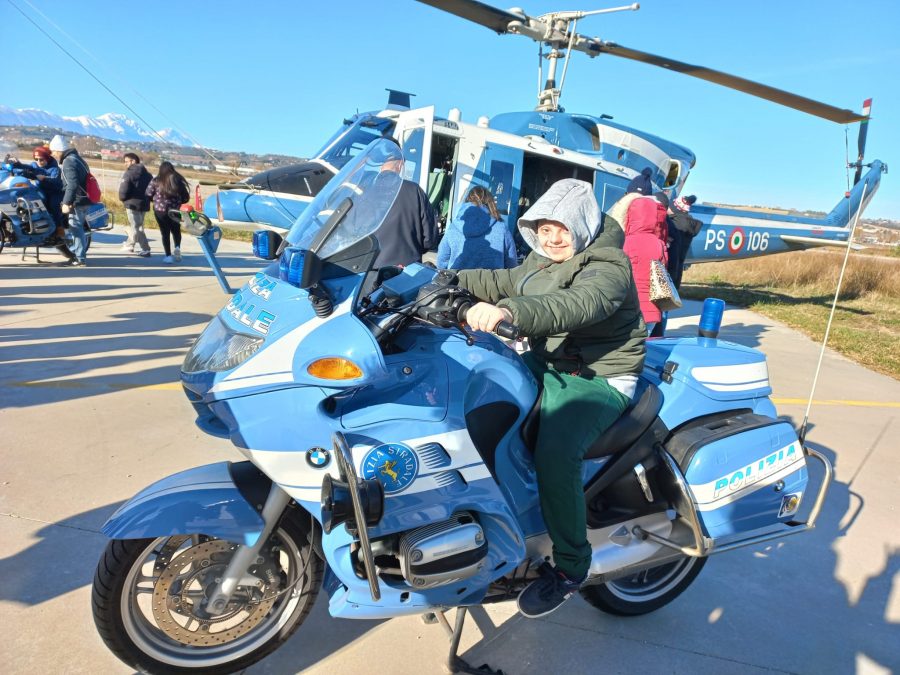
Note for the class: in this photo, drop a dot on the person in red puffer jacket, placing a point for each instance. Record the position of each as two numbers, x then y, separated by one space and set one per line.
645 240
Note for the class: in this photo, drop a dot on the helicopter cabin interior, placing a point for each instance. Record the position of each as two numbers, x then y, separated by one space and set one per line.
538 173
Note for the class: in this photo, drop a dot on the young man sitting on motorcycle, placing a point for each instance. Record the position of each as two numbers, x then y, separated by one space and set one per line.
575 298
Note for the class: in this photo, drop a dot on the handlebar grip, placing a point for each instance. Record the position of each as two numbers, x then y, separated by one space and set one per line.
506 330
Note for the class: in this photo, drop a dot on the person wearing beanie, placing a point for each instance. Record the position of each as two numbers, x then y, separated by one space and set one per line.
574 298
75 200
641 183
682 229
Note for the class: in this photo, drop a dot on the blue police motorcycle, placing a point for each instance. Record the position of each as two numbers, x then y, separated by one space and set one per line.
388 460
25 221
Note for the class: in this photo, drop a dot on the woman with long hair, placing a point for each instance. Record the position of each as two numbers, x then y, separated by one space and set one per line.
168 190
477 237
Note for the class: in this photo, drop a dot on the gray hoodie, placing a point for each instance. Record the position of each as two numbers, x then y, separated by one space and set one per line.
570 202
581 314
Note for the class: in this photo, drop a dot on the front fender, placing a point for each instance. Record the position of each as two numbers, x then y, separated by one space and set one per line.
221 500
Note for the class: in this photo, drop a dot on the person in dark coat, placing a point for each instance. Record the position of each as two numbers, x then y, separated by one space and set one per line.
681 231
133 194
75 201
408 229
574 298
641 183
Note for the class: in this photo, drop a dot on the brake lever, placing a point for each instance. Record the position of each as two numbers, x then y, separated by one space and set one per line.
470 339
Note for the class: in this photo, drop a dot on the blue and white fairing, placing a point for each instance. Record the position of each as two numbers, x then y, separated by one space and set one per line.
248 378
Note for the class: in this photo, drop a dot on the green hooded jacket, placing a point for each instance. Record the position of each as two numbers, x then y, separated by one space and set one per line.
581 315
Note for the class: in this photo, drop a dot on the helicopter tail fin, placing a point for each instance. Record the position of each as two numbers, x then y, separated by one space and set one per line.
854 201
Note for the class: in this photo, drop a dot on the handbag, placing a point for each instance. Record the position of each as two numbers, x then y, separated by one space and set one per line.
663 293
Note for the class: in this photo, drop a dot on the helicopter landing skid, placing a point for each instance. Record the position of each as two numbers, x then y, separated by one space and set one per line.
455 663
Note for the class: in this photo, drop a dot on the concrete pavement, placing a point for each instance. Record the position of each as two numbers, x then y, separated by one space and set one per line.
90 412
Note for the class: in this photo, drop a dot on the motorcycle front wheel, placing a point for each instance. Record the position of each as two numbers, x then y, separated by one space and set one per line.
149 599
644 591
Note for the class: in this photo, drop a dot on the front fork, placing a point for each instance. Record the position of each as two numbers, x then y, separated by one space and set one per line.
234 574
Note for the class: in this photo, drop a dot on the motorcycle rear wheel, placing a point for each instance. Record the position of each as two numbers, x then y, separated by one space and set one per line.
148 601
645 591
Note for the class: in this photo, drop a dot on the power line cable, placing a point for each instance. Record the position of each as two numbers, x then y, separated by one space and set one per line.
84 49
146 124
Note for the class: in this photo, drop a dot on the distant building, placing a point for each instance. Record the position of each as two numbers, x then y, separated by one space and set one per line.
107 154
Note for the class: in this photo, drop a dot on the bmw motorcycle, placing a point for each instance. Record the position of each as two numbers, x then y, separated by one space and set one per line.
388 460
25 221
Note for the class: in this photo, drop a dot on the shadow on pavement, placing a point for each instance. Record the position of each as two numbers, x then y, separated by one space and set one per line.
61 560
53 352
765 591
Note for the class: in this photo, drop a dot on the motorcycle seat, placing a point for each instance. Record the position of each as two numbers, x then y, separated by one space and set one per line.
636 419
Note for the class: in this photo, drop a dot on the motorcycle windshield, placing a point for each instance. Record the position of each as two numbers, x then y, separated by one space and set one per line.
369 183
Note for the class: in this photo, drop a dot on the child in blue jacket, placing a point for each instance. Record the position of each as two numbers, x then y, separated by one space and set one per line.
477 238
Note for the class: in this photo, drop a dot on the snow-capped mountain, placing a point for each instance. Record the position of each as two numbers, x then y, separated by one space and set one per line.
113 126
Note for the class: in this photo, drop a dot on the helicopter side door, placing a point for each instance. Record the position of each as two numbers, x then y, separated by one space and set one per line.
492 165
413 133
502 167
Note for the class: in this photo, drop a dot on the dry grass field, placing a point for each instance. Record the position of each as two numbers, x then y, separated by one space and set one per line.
798 288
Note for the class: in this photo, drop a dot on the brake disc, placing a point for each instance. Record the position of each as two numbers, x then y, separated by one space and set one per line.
182 589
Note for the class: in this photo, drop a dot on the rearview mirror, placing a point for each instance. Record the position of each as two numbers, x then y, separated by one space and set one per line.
192 221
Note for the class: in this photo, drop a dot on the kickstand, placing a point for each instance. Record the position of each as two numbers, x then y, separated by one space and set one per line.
455 663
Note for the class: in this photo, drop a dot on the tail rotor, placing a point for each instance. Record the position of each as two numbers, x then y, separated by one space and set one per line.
861 141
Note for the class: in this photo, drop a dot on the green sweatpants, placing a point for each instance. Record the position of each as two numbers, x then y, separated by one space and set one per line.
574 412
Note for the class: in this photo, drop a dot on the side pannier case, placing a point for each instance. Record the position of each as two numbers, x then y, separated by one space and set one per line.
746 473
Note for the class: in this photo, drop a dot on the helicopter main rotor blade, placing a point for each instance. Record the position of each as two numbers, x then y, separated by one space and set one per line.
785 98
501 21
477 12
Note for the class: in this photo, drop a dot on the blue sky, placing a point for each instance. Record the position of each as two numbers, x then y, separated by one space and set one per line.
270 76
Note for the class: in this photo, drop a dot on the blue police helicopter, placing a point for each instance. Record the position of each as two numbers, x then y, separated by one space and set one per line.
518 155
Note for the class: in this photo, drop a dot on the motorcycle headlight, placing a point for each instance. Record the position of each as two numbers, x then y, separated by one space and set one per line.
219 348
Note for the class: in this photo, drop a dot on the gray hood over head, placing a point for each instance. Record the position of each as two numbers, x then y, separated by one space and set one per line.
570 202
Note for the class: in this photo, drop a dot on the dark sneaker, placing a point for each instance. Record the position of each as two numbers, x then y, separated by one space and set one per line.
547 593
74 262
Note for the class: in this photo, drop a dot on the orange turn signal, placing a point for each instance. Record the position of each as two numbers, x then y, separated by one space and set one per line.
333 368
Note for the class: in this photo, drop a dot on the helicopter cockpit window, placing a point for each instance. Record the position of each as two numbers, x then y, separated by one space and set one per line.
590 126
353 139
672 175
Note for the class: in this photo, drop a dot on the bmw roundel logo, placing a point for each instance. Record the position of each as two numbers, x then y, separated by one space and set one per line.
318 458
395 465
